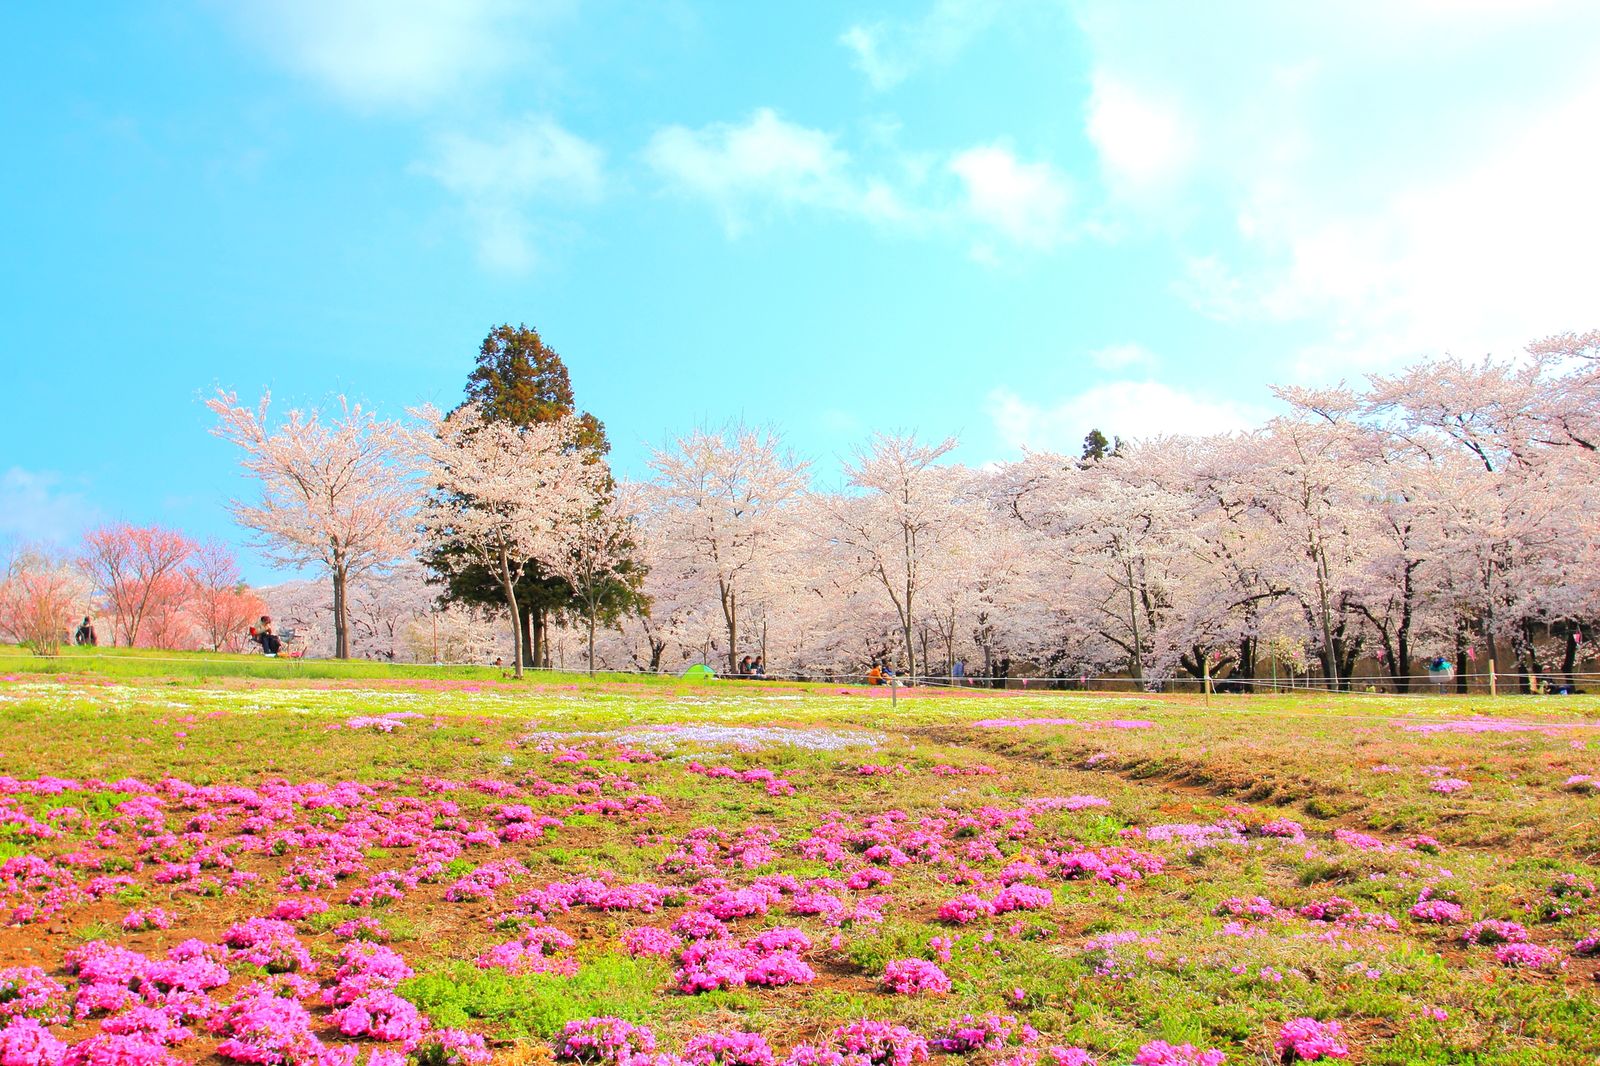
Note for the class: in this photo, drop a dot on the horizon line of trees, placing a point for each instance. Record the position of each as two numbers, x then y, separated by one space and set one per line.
1446 510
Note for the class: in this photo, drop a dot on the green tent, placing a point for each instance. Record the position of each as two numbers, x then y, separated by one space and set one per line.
699 672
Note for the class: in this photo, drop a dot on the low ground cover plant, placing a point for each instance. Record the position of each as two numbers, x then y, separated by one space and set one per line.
288 875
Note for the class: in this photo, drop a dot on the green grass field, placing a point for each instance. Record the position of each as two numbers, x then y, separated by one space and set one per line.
1208 873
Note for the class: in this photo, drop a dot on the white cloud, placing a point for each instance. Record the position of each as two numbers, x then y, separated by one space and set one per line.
747 169
1396 179
1128 409
1122 357
889 52
1143 142
1027 202
36 507
407 53
741 167
501 177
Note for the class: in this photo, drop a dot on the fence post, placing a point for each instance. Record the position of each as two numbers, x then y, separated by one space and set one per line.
1206 671
1491 678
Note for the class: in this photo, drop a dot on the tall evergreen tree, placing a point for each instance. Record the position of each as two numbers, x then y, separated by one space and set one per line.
520 379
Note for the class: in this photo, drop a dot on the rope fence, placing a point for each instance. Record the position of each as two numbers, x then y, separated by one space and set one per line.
1423 684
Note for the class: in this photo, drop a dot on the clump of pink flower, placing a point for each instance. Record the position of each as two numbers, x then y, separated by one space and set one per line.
648 941
447 1047
912 977
29 992
1439 911
27 1043
1161 1053
381 1015
1495 931
728 1049
968 1033
267 942
1448 785
112 1049
1529 957
603 1040
965 908
137 921
1307 1040
881 1043
1021 897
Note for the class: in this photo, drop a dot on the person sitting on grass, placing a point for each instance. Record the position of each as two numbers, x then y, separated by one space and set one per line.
875 675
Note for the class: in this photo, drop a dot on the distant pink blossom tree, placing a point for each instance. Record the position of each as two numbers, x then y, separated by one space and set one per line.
40 596
137 571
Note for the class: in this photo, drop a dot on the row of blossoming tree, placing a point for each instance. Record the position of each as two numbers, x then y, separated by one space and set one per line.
134 586
1447 510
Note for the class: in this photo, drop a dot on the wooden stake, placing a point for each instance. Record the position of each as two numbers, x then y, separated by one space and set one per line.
1207 672
1491 678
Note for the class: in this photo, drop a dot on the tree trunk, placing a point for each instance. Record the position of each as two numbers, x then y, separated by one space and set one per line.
341 617
1135 658
730 616
510 588
591 640
1461 658
1569 658
1330 661
528 644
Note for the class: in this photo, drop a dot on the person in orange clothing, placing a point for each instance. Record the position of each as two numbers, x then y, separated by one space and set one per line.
875 675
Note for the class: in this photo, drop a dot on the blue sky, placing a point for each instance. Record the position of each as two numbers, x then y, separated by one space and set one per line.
1009 221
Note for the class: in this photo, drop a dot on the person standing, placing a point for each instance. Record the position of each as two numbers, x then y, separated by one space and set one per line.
86 637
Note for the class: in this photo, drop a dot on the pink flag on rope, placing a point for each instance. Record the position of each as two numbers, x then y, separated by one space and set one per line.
1472 655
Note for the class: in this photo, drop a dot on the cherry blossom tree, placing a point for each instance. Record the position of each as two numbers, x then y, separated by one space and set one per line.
40 597
727 497
137 571
593 552
503 492
903 516
337 493
220 604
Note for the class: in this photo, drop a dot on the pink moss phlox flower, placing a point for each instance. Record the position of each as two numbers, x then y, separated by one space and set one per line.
1251 908
1438 911
451 1047
965 909
29 992
112 1049
728 1049
1161 1053
1020 897
160 1025
602 1040
381 1015
1523 956
25 1042
1307 1040
648 941
880 1043
1282 828
1448 785
912 977
137 921
267 942
1495 931
974 1033
298 909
